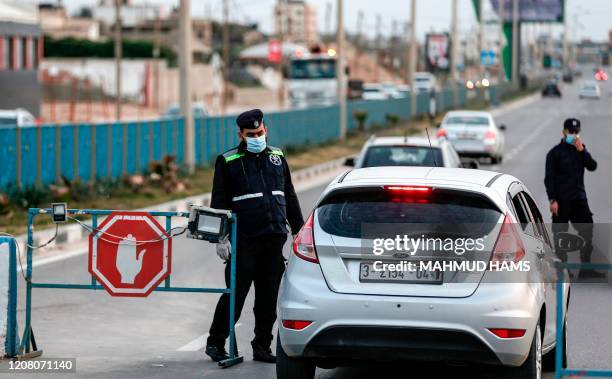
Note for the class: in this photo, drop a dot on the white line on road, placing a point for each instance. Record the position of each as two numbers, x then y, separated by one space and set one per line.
527 140
198 343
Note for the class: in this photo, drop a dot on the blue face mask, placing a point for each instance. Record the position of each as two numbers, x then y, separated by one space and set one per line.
570 138
256 144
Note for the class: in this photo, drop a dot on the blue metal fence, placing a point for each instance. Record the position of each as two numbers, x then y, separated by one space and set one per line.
110 150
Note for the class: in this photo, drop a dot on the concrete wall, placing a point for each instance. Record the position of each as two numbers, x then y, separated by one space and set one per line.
20 89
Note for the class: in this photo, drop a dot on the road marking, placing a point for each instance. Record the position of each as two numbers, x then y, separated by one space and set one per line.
527 140
198 343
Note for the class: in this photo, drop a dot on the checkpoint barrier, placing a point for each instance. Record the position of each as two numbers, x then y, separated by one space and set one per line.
8 313
27 348
561 372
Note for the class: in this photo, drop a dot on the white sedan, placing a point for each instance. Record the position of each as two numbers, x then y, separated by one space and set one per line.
474 134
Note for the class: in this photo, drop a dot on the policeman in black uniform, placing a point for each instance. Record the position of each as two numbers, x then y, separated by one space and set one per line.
253 181
565 165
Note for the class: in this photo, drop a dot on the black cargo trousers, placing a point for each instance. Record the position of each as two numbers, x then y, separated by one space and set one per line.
579 214
259 260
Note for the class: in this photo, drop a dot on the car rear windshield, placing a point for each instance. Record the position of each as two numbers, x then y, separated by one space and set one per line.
348 212
468 120
378 156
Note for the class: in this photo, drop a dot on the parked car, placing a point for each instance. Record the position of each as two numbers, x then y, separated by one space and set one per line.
589 90
474 134
374 91
16 117
406 151
551 89
198 109
335 309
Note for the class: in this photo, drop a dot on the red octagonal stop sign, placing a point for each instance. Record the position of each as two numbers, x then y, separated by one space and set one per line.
130 254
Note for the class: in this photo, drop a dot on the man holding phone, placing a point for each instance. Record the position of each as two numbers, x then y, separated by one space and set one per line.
565 165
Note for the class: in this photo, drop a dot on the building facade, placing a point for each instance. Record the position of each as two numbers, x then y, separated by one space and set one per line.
296 21
21 49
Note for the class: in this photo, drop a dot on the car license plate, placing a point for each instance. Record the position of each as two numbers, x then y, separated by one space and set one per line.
368 274
466 135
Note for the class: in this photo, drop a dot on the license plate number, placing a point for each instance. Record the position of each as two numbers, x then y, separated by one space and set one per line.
367 273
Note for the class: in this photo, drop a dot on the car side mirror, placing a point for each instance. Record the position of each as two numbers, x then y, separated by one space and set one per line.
350 162
473 164
503 127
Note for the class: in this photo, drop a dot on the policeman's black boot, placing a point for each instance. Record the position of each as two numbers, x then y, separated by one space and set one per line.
262 354
216 353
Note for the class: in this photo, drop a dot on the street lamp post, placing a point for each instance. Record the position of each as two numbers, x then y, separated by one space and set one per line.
340 69
412 57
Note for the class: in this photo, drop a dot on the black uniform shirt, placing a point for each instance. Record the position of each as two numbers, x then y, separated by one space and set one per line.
258 188
565 172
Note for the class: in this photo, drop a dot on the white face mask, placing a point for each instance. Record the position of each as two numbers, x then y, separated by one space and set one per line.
256 144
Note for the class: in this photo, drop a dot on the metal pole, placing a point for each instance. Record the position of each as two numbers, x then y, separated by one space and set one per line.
412 57
186 57
500 61
118 56
481 37
340 68
453 52
515 43
226 55
565 31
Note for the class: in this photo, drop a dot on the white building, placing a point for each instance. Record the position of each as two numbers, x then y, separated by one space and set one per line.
132 14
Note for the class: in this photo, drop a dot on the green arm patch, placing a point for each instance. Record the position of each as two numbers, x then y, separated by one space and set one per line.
230 158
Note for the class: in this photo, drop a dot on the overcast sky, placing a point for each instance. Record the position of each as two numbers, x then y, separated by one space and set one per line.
594 16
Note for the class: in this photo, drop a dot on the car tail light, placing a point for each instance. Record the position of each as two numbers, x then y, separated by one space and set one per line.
409 189
509 246
409 194
508 333
303 246
296 324
490 135
441 133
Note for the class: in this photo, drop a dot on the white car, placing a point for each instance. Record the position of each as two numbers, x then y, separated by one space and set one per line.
474 134
16 117
406 151
336 308
589 90
374 91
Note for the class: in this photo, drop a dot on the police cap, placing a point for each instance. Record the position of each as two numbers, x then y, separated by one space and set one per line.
250 119
572 125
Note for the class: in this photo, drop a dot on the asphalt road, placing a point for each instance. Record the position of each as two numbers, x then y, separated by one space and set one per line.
162 336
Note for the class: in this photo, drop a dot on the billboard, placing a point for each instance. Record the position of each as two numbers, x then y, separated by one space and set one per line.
533 10
437 48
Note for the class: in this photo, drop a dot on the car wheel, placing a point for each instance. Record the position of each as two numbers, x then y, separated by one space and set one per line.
532 368
292 368
548 360
496 159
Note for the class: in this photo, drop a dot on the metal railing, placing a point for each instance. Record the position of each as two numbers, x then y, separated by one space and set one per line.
27 348
560 371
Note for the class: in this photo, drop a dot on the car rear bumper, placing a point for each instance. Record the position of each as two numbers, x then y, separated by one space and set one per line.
377 327
352 344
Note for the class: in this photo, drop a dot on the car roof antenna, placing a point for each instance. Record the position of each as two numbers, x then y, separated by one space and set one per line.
431 147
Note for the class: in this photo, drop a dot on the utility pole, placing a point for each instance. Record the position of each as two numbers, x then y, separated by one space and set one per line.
185 63
226 55
515 43
378 29
156 54
118 57
453 52
565 36
340 68
412 56
358 41
500 60
481 38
